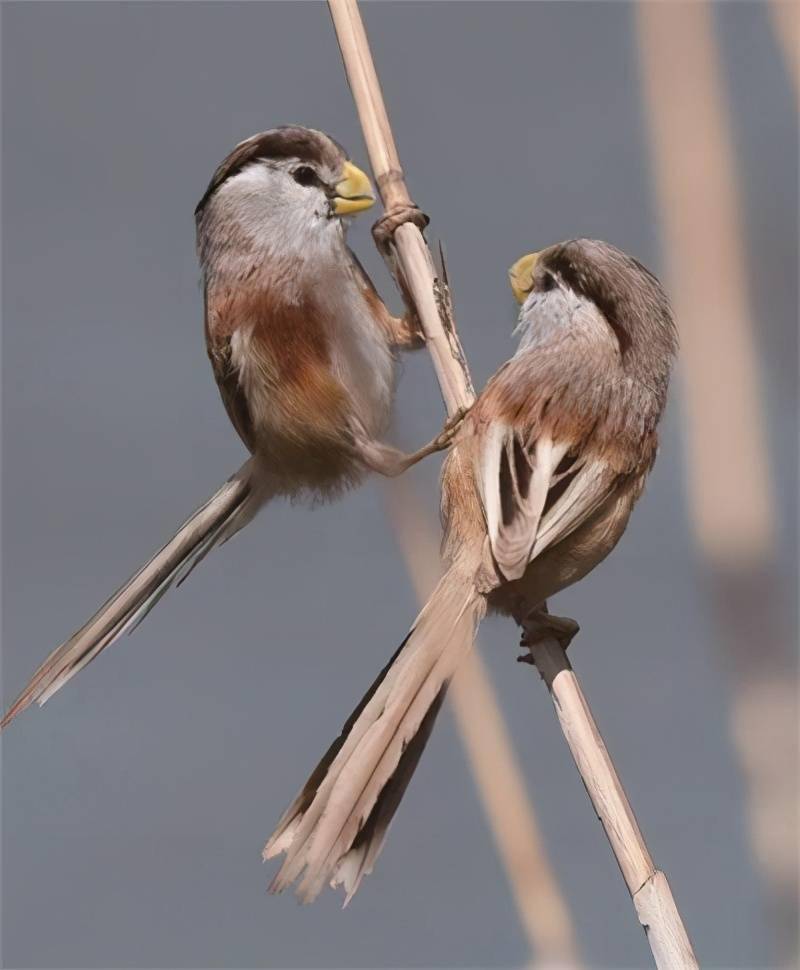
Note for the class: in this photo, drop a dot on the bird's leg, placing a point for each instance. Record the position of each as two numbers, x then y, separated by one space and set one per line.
406 332
540 625
391 462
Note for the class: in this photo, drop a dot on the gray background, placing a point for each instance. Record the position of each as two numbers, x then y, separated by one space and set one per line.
136 803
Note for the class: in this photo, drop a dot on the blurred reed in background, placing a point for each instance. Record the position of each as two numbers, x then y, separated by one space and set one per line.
786 17
730 491
729 487
543 913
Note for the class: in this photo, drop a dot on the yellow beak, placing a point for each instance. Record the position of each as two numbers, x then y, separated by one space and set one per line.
353 192
520 276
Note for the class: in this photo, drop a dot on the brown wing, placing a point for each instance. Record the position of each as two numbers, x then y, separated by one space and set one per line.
218 346
383 317
539 472
536 492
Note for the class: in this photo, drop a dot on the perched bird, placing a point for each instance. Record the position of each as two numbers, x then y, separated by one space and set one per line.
303 351
536 491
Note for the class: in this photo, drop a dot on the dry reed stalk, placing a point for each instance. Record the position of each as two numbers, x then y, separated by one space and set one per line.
414 258
542 910
786 22
700 209
649 889
701 220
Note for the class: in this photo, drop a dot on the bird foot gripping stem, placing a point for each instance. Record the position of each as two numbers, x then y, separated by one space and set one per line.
384 229
541 625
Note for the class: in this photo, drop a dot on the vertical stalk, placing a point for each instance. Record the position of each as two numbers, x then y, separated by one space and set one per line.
651 895
543 912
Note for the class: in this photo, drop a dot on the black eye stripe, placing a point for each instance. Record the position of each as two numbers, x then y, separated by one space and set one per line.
590 279
305 175
549 282
290 143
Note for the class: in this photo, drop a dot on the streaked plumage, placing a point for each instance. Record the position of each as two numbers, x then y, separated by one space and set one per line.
302 349
537 490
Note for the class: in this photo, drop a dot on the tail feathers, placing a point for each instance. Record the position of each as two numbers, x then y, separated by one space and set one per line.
359 860
335 829
212 523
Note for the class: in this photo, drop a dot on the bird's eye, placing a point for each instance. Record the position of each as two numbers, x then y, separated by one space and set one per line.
548 282
305 176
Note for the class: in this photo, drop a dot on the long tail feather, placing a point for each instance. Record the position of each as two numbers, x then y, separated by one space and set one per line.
335 828
212 523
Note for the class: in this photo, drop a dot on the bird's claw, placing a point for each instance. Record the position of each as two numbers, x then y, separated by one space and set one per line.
543 626
385 228
411 336
448 432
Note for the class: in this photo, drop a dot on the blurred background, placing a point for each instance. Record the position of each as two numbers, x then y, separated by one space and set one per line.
136 803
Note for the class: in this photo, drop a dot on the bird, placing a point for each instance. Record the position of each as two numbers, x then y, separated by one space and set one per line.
303 351
537 489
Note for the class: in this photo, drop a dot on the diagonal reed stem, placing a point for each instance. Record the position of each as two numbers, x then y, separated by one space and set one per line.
649 889
543 912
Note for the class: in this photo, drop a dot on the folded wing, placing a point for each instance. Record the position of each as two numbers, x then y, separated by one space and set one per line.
535 491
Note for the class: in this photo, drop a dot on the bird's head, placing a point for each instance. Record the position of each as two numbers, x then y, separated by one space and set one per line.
621 295
283 186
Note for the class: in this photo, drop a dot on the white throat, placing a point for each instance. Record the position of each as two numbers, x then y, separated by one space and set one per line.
261 221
